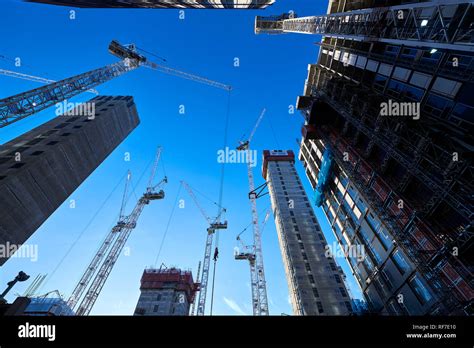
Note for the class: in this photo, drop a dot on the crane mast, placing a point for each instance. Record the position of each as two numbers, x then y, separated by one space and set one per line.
104 271
17 107
112 246
101 253
214 224
34 78
257 271
250 255
193 305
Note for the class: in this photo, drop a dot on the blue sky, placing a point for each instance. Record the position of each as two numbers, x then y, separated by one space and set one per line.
271 74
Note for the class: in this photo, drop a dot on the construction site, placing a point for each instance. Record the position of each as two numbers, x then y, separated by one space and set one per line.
130 211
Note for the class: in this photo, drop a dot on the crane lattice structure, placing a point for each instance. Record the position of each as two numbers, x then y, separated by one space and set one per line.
214 225
255 258
22 105
249 255
424 24
193 305
33 78
109 251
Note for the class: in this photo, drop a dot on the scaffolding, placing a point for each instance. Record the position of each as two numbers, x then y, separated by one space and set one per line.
425 24
429 250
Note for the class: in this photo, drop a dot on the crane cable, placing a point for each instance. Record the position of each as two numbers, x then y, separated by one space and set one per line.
168 224
221 191
84 230
92 220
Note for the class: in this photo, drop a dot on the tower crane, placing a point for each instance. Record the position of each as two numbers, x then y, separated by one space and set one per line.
249 255
193 305
259 291
109 251
33 78
22 105
424 24
214 224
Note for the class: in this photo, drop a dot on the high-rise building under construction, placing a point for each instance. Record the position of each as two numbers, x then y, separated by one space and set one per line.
315 282
165 292
176 4
41 168
387 145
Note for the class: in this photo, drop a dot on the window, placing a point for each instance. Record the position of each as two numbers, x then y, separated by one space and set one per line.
33 142
409 52
401 74
155 308
37 153
158 298
385 69
385 274
343 292
372 65
361 61
384 237
372 221
18 165
315 292
392 50
311 279
400 261
438 103
320 307
446 87
361 205
348 306
305 257
52 143
421 290
420 80
338 278
368 264
62 125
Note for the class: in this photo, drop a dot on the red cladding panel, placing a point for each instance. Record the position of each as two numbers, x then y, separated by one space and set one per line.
276 155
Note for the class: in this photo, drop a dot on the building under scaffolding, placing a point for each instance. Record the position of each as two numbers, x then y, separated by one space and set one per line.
163 4
399 185
166 291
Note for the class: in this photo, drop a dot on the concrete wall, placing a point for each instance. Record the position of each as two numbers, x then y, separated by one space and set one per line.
312 277
162 302
40 169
